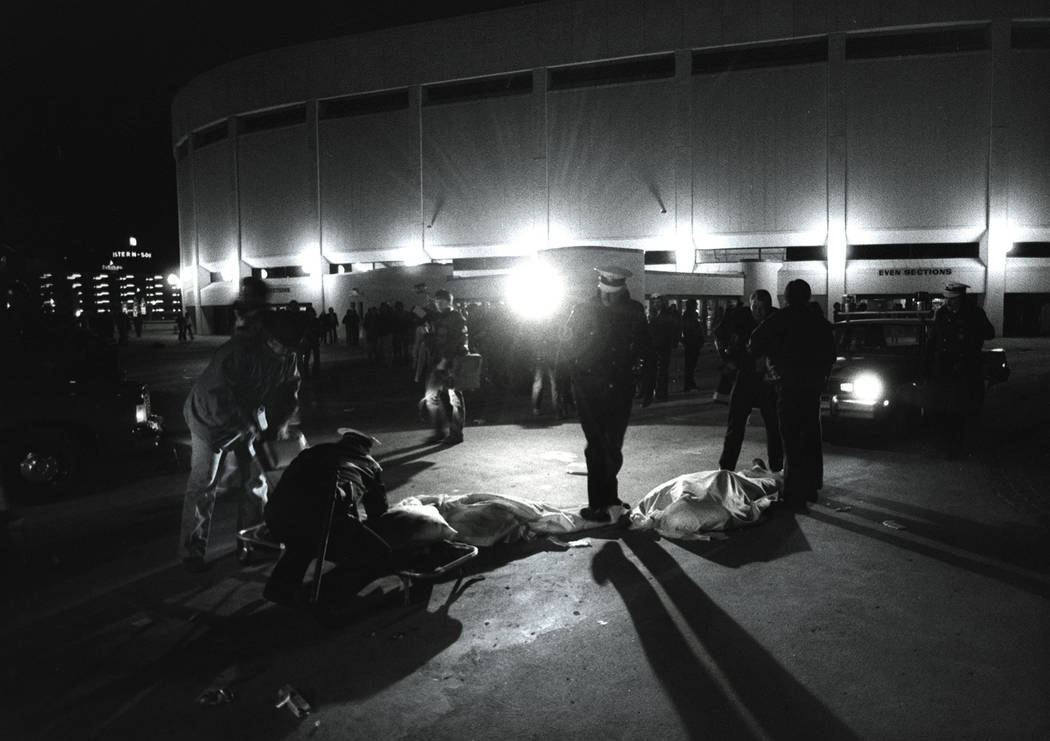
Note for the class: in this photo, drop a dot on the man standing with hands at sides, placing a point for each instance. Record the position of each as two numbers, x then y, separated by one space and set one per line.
601 342
448 346
800 346
750 388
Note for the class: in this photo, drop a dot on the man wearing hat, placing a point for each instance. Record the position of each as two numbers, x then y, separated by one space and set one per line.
953 362
603 340
248 391
298 511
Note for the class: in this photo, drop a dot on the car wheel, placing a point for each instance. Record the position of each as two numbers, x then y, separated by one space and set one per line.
43 466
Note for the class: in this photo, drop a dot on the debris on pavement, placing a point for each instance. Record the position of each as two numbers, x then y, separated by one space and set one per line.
288 697
837 506
578 468
216 696
894 525
580 543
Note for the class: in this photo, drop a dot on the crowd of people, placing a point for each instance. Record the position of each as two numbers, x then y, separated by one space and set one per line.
606 353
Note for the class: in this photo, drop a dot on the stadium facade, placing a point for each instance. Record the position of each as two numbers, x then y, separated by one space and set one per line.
876 149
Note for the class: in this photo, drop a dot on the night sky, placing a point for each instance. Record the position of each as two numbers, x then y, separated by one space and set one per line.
85 151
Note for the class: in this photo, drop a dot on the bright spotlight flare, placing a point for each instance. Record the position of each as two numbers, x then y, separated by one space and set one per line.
535 291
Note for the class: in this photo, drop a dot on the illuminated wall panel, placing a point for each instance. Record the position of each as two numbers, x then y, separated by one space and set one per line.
480 179
216 197
611 159
1029 138
187 224
278 190
369 170
759 162
917 142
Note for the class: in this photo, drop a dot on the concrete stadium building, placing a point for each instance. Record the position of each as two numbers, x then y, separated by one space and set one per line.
878 149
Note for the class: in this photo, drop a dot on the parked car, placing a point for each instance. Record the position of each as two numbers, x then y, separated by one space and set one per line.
67 412
878 374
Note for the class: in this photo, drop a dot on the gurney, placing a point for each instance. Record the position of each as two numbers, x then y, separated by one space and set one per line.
412 562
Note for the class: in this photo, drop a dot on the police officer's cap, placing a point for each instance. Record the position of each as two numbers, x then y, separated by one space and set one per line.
613 278
954 290
356 438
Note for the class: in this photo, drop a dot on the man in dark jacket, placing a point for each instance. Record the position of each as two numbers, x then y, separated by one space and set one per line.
248 391
602 341
692 341
666 328
448 347
751 389
800 346
300 506
954 363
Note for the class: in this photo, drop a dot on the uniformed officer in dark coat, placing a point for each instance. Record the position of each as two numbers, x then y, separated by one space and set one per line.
666 328
751 389
603 340
954 364
800 346
298 510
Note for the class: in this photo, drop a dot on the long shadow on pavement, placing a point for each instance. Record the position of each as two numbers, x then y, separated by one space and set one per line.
776 536
746 693
1032 585
1020 545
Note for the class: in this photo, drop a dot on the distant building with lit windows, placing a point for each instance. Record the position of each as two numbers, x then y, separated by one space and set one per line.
876 150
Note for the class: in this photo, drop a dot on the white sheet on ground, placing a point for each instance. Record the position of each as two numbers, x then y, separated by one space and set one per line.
682 508
693 503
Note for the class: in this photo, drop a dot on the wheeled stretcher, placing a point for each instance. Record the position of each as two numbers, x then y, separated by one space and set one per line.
412 563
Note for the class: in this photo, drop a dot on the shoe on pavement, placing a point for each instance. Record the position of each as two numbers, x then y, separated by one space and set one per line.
453 439
596 514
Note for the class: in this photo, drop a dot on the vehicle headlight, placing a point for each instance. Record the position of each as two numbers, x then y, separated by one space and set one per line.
867 387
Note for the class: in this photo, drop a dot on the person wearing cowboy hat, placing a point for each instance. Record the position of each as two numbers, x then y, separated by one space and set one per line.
247 392
954 364
602 341
298 511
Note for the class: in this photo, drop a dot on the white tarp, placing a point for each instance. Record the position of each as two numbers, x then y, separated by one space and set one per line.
693 503
683 508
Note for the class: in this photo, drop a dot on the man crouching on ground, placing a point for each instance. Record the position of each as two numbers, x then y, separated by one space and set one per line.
298 511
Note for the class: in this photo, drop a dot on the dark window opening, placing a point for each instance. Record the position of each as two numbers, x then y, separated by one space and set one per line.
917 42
1030 36
489 87
924 251
757 57
281 117
210 135
799 254
486 263
611 73
660 257
1030 249
359 105
283 271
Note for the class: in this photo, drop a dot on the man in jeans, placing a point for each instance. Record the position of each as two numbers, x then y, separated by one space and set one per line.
248 391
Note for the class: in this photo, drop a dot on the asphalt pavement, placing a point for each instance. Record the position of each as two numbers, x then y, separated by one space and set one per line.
911 602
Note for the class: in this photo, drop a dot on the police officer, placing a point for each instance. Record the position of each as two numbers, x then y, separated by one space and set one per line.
750 387
603 339
800 346
954 364
448 346
692 341
297 513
